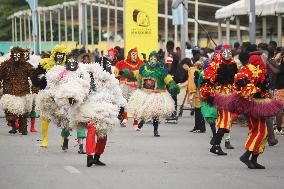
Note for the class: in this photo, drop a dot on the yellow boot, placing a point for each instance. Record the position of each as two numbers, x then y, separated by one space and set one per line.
44 132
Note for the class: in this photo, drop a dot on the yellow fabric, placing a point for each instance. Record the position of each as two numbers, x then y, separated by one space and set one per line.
44 132
137 75
191 85
193 95
48 63
116 71
168 79
141 25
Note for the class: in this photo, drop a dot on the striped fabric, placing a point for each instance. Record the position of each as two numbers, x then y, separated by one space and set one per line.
224 120
257 137
169 59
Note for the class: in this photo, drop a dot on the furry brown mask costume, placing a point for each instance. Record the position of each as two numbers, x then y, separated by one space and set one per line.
17 54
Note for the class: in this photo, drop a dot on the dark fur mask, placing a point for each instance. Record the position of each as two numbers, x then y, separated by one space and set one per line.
17 54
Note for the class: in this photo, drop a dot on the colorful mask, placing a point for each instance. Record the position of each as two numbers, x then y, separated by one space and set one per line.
153 58
59 58
71 64
227 52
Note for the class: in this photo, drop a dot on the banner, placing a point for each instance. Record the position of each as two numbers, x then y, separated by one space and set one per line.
33 5
141 26
178 15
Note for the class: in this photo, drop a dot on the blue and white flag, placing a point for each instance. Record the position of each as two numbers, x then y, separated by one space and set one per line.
33 5
178 15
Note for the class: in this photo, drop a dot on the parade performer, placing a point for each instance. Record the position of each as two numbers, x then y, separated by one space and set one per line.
209 112
17 98
132 63
57 57
252 100
219 79
193 93
151 100
92 98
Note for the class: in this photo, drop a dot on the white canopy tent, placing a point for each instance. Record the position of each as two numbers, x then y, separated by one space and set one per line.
262 8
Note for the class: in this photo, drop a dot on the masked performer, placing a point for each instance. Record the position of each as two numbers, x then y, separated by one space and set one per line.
252 100
128 86
17 99
151 100
92 98
58 57
219 79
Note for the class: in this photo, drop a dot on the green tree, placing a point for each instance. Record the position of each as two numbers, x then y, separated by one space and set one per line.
8 7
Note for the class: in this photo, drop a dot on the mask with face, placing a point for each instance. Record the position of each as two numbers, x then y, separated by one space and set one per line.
59 58
16 56
71 64
227 52
134 56
27 55
153 60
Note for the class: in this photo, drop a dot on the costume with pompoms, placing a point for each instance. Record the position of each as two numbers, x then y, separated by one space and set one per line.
151 100
17 99
252 100
57 57
219 79
132 63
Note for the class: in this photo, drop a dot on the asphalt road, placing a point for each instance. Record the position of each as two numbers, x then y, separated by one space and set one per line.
177 160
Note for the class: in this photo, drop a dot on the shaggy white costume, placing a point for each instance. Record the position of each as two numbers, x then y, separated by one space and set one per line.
92 98
45 100
100 106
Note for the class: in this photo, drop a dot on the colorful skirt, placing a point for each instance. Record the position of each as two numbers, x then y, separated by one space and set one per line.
145 105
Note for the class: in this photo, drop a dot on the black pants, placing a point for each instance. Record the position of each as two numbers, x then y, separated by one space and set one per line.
175 100
155 124
219 136
199 120
23 123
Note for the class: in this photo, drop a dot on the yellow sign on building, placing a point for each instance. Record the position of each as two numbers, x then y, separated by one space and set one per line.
141 26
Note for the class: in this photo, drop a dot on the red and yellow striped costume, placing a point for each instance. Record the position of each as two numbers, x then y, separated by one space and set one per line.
257 137
224 120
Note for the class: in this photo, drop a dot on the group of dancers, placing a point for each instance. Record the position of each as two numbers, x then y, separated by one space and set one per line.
75 93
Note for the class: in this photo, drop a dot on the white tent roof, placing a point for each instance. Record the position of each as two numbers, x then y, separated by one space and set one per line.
272 7
262 7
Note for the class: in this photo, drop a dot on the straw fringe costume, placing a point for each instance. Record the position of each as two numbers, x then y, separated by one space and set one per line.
132 63
252 100
151 100
58 57
17 98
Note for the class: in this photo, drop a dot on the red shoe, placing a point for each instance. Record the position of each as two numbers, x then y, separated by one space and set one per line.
33 130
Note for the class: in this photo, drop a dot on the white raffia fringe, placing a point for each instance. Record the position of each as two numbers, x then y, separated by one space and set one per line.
101 105
145 106
17 104
127 91
47 108
103 113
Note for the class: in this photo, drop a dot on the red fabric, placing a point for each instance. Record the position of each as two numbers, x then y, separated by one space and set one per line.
17 123
100 146
93 146
33 129
135 122
257 137
125 115
91 139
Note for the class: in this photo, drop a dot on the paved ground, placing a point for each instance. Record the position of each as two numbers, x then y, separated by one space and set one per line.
178 159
